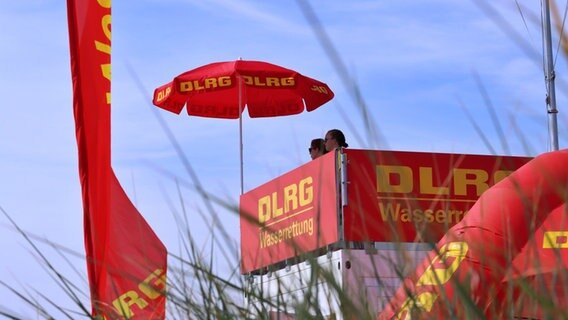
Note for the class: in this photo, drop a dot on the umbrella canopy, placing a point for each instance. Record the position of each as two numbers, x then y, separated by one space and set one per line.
224 89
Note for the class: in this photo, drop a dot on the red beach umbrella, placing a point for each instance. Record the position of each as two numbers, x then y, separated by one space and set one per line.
225 89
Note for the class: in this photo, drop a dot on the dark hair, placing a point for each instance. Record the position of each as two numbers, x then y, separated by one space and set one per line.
318 144
339 137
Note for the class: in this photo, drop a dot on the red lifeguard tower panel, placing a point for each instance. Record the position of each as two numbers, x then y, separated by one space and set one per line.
366 217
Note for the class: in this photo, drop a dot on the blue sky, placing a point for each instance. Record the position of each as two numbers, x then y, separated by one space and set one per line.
415 63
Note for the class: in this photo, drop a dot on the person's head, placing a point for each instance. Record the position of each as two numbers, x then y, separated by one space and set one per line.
317 148
334 138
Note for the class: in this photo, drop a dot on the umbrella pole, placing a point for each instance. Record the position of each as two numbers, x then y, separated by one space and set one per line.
241 130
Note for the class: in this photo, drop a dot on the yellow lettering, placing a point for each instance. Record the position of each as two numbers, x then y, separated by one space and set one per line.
197 85
436 274
248 80
104 3
105 48
288 82
164 94
268 81
439 272
306 191
500 175
224 81
320 89
258 82
441 216
210 83
429 213
290 197
105 69
417 215
424 301
276 212
264 209
105 23
427 185
293 196
470 177
102 47
154 285
555 239
185 86
272 82
405 215
123 303
384 181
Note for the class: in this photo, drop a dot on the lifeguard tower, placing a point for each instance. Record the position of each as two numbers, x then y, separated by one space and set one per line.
342 231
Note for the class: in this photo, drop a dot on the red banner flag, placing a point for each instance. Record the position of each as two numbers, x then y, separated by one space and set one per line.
126 261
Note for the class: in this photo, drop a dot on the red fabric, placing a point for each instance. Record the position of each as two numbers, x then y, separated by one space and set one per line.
539 270
484 244
547 252
434 197
126 262
267 90
291 214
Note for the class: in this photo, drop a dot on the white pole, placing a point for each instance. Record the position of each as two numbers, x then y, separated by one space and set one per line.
239 83
549 76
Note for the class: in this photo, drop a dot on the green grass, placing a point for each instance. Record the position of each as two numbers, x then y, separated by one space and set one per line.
197 291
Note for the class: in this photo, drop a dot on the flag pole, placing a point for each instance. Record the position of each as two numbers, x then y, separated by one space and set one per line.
239 83
549 77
